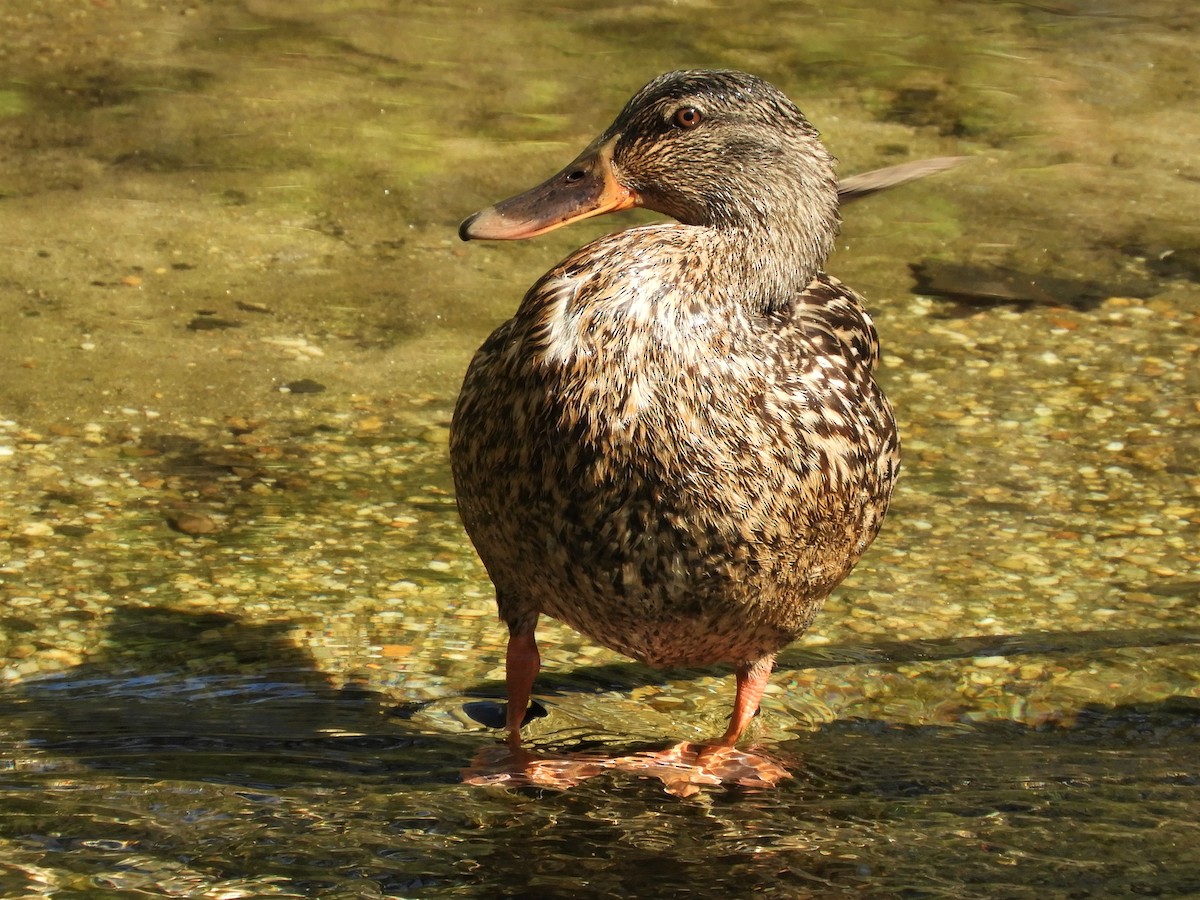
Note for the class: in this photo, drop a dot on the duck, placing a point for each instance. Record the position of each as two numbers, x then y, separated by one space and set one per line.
677 445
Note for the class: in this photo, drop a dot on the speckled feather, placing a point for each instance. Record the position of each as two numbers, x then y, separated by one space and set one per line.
677 445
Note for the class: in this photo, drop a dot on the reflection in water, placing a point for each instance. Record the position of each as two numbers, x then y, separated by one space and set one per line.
240 623
232 785
200 753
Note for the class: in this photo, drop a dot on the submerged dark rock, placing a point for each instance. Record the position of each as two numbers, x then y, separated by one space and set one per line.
976 287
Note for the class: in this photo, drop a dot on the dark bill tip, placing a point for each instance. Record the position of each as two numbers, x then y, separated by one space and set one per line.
464 230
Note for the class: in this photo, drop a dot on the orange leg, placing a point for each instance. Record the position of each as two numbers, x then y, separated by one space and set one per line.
751 682
521 667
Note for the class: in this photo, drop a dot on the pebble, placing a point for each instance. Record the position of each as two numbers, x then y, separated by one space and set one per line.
302 386
989 662
193 523
295 347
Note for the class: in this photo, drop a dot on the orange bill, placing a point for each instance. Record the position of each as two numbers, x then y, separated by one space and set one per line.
587 187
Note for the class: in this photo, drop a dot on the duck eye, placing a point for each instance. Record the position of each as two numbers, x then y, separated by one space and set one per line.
687 118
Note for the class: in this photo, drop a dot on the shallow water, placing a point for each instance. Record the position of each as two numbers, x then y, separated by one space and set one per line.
241 622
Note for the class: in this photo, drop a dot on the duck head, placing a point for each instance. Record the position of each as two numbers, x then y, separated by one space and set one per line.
719 150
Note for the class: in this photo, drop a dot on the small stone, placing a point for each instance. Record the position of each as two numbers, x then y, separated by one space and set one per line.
211 323
369 425
303 386
190 523
989 662
436 434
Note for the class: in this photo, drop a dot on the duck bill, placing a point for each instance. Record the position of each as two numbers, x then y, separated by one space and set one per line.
587 187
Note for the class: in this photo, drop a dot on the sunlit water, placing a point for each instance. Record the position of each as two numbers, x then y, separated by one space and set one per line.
240 623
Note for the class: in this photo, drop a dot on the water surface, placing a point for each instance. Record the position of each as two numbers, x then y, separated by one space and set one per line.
241 619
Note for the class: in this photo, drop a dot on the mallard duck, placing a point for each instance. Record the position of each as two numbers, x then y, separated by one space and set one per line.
677 445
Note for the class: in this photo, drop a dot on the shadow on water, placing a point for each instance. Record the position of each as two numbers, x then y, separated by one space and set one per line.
623 676
205 755
211 696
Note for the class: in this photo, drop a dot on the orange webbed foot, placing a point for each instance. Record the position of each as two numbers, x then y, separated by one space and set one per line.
684 769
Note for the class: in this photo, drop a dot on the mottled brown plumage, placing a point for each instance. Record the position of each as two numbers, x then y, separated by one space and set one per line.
677 445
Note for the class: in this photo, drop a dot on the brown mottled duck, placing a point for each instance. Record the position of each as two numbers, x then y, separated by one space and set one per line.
677 445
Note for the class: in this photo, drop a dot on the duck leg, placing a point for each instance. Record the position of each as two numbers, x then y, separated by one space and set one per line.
752 680
521 665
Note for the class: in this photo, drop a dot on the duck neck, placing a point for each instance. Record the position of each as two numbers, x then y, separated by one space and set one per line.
768 260
773 233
